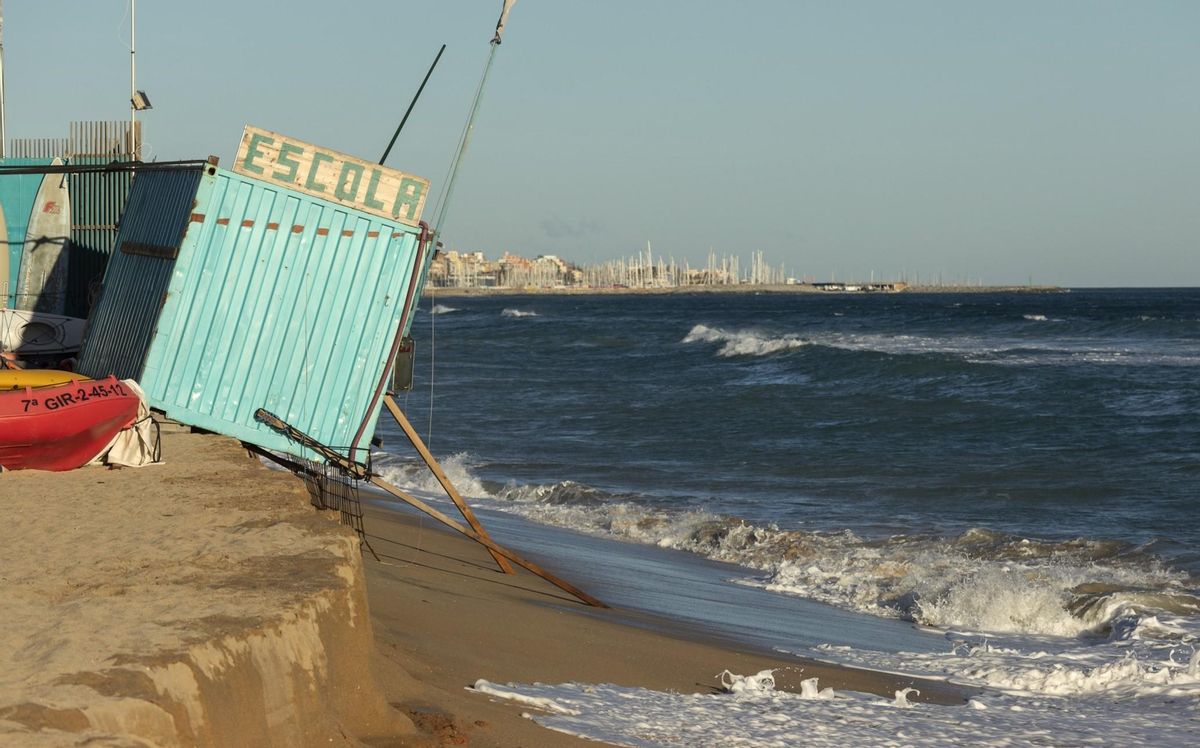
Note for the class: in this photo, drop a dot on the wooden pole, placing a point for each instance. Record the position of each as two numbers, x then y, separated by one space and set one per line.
486 542
358 471
440 474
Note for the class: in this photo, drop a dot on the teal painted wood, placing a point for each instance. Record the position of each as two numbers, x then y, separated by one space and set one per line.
280 301
123 321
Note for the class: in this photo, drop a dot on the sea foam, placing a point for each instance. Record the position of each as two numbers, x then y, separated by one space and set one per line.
762 716
978 581
743 342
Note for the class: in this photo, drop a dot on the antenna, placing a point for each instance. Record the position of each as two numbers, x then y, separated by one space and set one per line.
133 144
3 128
138 100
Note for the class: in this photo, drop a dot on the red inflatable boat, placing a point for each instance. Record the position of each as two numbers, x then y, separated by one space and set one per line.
64 426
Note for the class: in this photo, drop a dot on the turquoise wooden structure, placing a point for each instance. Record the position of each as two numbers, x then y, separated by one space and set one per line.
227 294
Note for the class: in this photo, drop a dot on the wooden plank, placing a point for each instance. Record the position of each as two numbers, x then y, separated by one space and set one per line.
486 542
330 175
358 471
442 478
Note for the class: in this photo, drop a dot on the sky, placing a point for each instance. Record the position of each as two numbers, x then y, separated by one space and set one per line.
1057 142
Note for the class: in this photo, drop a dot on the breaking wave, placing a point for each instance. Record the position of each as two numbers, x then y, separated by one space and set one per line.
1012 350
977 581
517 313
443 309
744 342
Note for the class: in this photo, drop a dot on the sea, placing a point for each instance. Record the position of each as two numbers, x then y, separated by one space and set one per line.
996 490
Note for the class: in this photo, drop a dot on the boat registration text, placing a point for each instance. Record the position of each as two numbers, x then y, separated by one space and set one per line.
79 396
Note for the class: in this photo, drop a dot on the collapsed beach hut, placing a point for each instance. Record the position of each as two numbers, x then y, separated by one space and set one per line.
269 303
286 284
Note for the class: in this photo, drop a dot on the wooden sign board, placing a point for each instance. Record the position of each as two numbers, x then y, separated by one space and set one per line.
332 176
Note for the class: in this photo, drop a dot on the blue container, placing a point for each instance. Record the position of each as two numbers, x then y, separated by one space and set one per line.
227 294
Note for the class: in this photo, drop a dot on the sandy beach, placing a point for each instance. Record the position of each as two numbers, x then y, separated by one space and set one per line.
205 602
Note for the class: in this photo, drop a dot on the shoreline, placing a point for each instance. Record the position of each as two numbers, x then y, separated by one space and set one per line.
446 616
799 288
204 600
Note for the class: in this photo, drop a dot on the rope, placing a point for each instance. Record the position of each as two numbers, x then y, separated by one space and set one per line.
443 208
432 358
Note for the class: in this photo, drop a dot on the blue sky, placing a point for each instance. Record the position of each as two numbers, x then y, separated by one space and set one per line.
1002 141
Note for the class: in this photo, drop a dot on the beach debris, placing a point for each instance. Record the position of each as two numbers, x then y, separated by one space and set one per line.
810 690
762 681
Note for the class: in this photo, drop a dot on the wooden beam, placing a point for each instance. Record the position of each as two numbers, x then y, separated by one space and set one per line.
442 478
359 472
486 542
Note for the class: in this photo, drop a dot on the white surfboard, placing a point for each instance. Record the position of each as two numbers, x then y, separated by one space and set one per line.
43 282
5 261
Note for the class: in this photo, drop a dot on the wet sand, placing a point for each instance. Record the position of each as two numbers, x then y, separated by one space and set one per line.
205 602
445 616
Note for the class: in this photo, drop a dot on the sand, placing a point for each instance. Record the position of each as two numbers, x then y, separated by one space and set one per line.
199 602
446 616
205 602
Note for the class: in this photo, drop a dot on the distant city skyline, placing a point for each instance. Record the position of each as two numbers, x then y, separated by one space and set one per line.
1003 142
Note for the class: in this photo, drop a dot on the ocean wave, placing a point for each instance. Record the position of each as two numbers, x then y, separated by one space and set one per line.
743 342
518 313
978 581
443 309
415 475
994 349
1039 318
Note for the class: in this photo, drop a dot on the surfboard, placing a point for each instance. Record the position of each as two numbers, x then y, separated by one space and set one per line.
43 282
5 260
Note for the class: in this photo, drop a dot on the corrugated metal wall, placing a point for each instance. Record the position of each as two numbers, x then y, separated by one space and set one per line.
138 277
276 300
97 201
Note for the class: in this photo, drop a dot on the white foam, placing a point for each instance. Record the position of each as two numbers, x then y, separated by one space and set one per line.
979 582
443 309
545 704
976 349
743 342
1026 605
765 717
518 313
412 474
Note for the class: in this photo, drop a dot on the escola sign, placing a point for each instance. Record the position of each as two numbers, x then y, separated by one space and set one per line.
333 176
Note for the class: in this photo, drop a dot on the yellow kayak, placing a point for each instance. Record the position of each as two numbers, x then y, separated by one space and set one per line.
16 379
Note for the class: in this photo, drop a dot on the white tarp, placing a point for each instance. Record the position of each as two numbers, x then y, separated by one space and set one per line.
137 445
